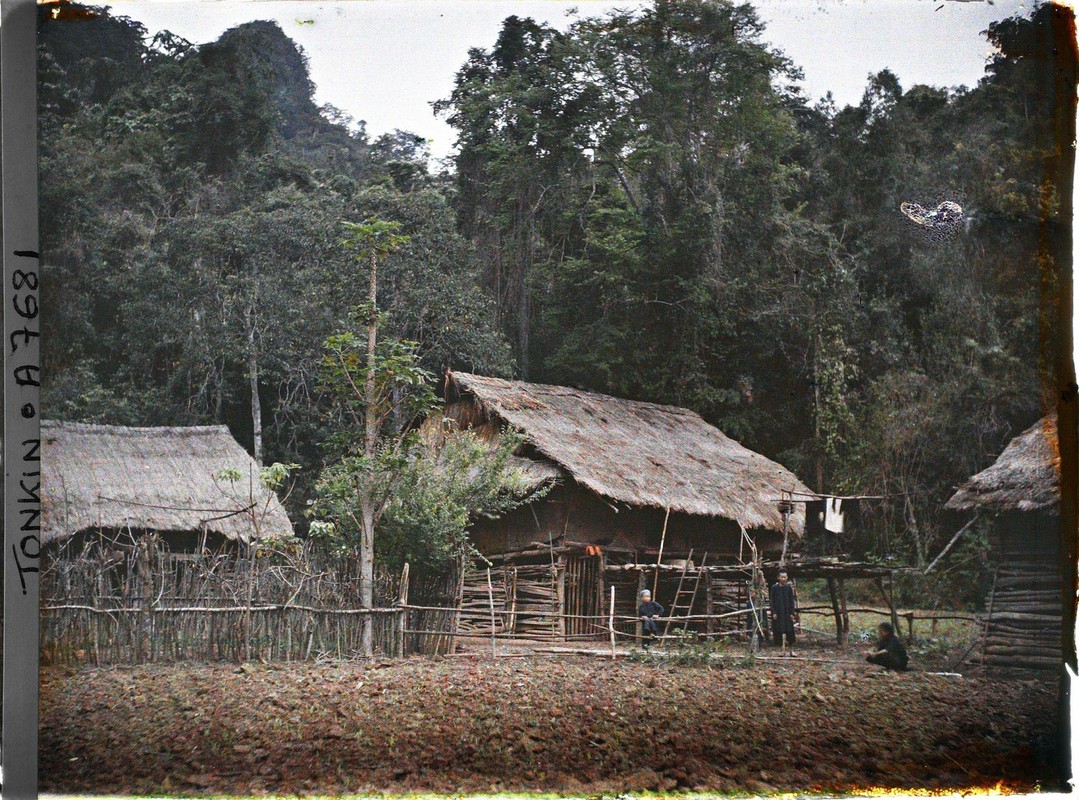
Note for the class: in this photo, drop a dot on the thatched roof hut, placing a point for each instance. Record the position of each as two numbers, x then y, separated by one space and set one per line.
1020 492
1025 477
104 477
641 454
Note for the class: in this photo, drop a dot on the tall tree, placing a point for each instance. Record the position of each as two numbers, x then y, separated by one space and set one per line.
376 401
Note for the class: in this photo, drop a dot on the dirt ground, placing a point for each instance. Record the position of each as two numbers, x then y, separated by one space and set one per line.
563 723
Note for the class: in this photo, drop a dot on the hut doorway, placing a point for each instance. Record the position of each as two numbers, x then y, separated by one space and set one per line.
584 586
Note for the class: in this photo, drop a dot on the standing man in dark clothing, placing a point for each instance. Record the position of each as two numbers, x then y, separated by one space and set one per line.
784 612
648 612
889 652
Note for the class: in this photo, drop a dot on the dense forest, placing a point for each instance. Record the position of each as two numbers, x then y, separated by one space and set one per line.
645 204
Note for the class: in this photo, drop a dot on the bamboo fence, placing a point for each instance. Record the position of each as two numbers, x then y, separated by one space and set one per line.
134 601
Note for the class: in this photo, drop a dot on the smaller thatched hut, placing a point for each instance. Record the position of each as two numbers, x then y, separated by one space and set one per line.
123 482
1020 493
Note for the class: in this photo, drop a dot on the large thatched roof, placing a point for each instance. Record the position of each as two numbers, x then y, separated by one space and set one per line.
641 454
1025 477
162 479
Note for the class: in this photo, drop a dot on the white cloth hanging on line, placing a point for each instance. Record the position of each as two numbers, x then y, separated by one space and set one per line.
833 514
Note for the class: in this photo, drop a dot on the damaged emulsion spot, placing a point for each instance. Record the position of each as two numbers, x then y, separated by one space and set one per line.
65 9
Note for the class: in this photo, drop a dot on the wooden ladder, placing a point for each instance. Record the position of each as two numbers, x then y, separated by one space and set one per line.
684 597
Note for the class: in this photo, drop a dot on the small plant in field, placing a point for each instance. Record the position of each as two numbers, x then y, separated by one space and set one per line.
692 651
936 646
645 657
748 661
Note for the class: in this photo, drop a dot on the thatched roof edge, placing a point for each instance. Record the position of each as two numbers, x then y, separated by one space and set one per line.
1025 476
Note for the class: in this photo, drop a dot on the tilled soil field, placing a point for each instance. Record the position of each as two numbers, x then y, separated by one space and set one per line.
566 724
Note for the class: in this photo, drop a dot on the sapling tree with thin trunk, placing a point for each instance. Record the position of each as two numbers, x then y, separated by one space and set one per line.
418 492
379 389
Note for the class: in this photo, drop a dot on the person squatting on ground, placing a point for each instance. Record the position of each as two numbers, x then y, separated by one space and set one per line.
784 611
648 612
889 652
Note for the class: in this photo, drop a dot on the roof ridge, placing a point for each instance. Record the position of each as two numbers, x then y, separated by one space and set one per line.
132 430
571 391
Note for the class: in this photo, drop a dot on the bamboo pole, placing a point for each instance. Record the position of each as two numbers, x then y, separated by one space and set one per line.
402 601
560 597
491 603
709 606
659 558
637 600
948 546
611 623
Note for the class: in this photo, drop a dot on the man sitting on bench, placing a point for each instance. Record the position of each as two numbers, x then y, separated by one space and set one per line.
648 612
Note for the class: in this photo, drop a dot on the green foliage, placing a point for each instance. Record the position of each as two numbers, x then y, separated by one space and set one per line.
272 477
446 487
690 651
373 237
421 493
402 387
433 490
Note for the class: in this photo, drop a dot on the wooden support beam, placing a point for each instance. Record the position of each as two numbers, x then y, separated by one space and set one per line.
709 604
891 603
560 597
640 588
659 558
402 600
601 582
835 611
841 587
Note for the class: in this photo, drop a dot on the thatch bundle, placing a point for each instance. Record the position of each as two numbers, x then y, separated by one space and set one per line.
159 479
1025 477
640 454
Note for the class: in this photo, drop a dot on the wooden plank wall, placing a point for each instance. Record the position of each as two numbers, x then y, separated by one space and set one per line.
1023 630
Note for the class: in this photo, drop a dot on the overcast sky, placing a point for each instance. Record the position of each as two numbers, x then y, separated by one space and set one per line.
385 61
